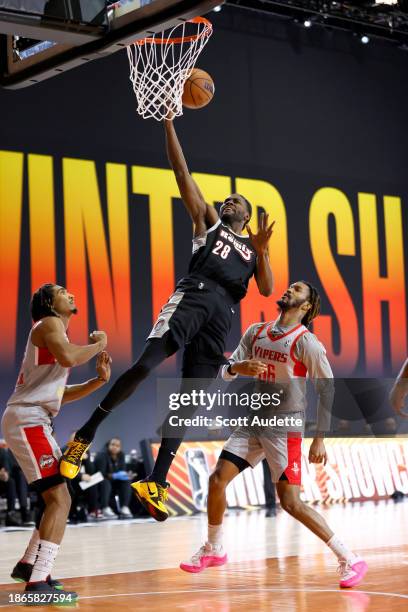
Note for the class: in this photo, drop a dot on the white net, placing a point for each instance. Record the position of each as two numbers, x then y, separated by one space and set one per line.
161 64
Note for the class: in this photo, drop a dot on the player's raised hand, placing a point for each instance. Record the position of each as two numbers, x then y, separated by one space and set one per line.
261 238
317 452
103 366
249 367
99 336
170 115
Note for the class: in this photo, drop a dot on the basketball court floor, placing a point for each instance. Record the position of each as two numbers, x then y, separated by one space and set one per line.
275 563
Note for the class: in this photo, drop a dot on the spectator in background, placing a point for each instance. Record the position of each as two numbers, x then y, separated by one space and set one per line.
8 490
21 485
111 463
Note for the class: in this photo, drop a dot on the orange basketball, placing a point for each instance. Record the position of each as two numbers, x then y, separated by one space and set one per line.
198 89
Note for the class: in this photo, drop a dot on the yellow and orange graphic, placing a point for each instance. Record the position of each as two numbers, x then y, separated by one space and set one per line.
94 246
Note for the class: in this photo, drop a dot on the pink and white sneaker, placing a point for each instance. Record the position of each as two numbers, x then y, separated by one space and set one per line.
207 556
352 572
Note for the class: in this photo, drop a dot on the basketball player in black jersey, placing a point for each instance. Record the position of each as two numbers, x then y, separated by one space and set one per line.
197 316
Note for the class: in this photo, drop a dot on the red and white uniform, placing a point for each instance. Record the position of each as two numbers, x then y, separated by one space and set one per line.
292 354
26 422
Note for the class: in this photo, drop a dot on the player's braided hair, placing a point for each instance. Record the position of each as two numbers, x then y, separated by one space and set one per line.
314 310
41 302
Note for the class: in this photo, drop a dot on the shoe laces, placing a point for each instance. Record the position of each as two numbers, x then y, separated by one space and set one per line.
200 553
344 567
76 450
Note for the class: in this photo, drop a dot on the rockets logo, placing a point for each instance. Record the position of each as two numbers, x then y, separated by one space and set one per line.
295 468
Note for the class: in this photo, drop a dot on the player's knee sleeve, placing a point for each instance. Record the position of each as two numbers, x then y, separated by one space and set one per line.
153 354
139 371
125 386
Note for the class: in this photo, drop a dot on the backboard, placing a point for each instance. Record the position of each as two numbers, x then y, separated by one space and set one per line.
40 39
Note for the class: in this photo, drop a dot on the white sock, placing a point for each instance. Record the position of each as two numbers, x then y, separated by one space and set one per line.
30 554
340 550
215 535
47 551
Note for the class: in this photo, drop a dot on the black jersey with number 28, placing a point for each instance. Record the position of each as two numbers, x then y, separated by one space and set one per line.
225 257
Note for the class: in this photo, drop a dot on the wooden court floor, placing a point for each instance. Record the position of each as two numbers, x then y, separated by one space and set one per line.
275 564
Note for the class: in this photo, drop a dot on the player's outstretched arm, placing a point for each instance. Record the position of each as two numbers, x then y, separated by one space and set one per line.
399 392
202 214
51 334
103 373
260 241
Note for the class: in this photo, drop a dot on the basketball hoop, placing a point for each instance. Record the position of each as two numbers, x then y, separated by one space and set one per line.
161 64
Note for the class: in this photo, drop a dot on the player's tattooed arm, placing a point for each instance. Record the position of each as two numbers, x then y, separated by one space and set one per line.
202 214
399 392
260 242
73 393
51 334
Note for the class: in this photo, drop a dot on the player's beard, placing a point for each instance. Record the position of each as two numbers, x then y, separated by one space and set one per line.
291 303
230 218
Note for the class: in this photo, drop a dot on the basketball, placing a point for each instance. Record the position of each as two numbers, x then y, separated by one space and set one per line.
198 89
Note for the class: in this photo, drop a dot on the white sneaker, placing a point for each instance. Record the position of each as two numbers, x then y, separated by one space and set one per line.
207 556
108 513
126 512
352 572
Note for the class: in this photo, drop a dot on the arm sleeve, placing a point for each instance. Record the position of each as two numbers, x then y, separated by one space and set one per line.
312 354
242 352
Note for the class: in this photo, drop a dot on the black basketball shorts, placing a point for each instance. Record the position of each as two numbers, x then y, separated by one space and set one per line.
198 316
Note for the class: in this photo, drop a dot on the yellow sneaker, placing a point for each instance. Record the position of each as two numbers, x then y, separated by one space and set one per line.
152 496
70 463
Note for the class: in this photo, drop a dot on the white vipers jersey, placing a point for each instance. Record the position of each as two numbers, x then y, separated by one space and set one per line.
292 355
277 350
41 381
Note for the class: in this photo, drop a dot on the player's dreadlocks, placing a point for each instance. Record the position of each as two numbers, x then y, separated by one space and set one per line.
41 302
314 299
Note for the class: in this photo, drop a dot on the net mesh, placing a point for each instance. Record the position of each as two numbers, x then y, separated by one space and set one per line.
161 64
